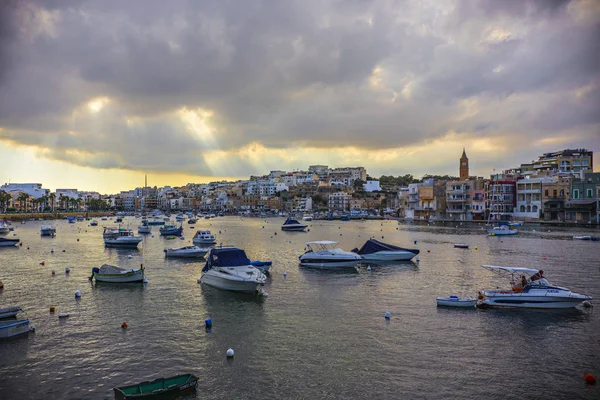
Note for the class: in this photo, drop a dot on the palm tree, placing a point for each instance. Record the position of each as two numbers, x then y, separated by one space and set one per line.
61 198
22 198
5 199
52 196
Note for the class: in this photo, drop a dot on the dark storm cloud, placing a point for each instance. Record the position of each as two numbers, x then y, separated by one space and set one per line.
286 73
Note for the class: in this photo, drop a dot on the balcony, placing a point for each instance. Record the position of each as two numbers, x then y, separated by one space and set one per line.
451 200
453 211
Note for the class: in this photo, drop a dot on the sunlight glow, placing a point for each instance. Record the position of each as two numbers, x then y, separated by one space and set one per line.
97 104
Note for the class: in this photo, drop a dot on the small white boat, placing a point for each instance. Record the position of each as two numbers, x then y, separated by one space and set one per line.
47 230
186 252
323 254
515 223
374 250
180 218
120 238
293 225
307 218
502 231
192 220
529 289
230 269
14 328
144 227
4 228
204 237
4 242
9 312
586 237
110 273
104 218
94 223
455 301
461 245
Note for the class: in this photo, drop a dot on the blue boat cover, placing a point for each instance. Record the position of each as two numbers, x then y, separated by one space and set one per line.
373 246
290 221
227 257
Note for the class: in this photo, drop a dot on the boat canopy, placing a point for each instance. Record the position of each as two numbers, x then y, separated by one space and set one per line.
512 270
291 221
373 246
226 257
110 269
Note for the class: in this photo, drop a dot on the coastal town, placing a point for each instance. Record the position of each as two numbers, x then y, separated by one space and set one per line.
557 187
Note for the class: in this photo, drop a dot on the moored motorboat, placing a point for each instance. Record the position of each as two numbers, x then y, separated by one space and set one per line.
120 238
171 230
379 251
94 223
461 245
293 225
502 231
204 237
532 290
144 227
4 229
47 230
192 220
13 328
229 268
323 254
186 252
307 218
110 273
156 222
5 242
586 237
159 388
455 301
9 312
515 223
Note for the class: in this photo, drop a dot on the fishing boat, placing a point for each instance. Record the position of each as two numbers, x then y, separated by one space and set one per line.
5 242
455 301
120 238
379 251
171 230
502 230
160 388
529 289
4 229
144 227
156 222
180 217
94 223
461 245
186 252
9 312
13 328
586 237
110 273
293 225
47 230
229 268
323 254
204 237
104 218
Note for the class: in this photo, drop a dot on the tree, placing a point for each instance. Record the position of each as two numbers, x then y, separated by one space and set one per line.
5 199
22 198
358 185
52 196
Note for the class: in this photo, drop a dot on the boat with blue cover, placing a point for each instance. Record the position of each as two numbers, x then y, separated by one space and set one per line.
292 225
229 268
13 328
264 266
378 251
160 388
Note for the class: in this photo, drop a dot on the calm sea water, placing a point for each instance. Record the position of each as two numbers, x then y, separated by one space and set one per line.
317 335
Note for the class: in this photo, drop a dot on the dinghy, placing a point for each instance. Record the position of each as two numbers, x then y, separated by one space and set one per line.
9 312
159 388
455 301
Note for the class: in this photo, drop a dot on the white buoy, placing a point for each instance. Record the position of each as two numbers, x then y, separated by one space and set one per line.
77 293
387 315
368 268
229 353
265 294
63 315
130 256
284 273
67 270
51 250
145 280
418 259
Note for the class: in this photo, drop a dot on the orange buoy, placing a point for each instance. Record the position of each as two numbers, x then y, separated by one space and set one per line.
124 325
589 378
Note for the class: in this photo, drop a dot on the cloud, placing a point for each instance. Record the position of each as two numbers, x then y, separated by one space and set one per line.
183 86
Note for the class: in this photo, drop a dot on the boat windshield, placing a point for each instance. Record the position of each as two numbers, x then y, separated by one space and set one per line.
321 246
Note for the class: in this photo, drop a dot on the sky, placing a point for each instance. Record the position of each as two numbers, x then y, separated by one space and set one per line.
94 95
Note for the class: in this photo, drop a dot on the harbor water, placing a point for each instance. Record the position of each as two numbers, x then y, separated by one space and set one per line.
318 334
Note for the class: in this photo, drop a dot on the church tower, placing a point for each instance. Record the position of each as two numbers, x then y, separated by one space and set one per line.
464 166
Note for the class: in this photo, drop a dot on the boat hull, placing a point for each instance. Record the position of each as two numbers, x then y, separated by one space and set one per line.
321 264
506 232
179 254
9 312
48 232
154 390
129 277
220 282
294 228
203 241
389 256
121 243
9 242
456 302
508 299
13 328
171 232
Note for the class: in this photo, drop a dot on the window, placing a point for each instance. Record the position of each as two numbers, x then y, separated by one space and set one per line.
576 194
546 193
589 193
554 193
534 209
562 193
522 209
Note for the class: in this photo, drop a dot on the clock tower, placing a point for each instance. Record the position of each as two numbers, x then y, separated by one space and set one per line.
464 166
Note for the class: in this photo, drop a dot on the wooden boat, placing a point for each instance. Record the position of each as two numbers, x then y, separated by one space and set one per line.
9 312
110 273
14 328
461 245
159 388
455 301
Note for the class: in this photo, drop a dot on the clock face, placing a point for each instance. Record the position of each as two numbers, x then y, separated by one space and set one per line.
464 163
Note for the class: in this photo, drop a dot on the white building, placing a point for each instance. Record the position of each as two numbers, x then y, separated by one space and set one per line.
371 186
529 197
32 189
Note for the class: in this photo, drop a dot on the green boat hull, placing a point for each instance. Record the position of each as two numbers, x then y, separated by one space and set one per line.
161 388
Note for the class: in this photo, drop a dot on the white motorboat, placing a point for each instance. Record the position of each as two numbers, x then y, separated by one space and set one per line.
455 301
461 245
110 273
186 252
171 230
180 218
378 251
4 242
192 220
529 289
229 268
94 223
104 218
204 237
515 223
501 231
4 229
9 312
586 237
47 230
307 218
324 254
120 238
293 225
144 227
14 328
